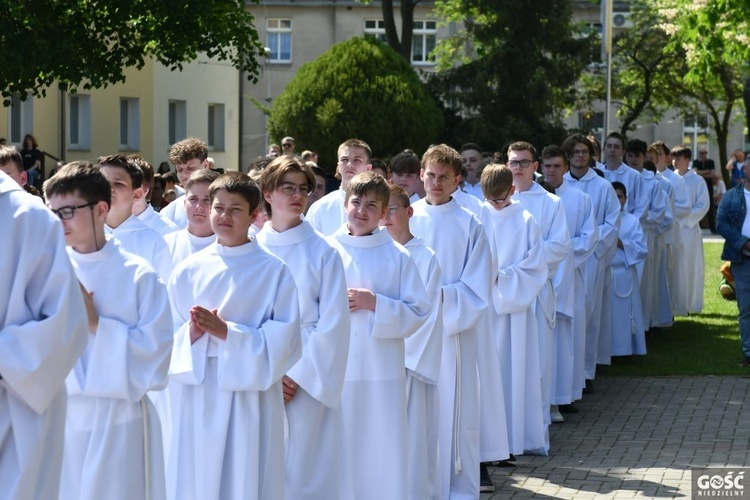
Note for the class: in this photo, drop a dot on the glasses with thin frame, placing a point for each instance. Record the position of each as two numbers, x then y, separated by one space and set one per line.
67 213
392 209
500 201
520 163
290 189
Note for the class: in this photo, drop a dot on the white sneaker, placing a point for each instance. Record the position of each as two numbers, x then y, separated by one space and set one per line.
555 415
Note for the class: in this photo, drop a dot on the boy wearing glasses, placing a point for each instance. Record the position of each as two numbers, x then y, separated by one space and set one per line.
126 182
423 353
236 318
388 303
607 218
549 213
570 282
518 275
463 253
312 387
198 234
328 213
113 445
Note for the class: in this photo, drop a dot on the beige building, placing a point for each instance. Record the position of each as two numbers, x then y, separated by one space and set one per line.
299 31
147 113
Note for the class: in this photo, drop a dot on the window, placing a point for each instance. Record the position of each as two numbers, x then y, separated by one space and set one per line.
129 123
591 121
79 121
279 37
216 127
375 28
423 42
21 118
695 131
177 121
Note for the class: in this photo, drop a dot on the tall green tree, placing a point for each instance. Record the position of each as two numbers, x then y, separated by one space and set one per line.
512 73
90 43
359 88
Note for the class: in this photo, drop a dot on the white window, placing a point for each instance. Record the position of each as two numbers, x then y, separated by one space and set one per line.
177 121
79 121
423 42
375 28
20 118
216 127
129 124
279 38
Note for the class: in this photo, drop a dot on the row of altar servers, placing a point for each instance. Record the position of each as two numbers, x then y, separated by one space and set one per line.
564 298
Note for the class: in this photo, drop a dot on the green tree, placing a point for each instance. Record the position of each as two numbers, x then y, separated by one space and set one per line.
359 88
89 43
512 71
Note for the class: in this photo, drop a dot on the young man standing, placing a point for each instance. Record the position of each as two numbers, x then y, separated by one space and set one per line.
616 170
187 156
471 157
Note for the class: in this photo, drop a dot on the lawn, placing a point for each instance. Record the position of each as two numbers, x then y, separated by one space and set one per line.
704 344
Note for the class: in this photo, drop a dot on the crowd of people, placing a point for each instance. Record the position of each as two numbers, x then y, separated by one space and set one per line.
393 338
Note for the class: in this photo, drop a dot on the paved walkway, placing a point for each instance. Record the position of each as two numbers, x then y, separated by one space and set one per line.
637 438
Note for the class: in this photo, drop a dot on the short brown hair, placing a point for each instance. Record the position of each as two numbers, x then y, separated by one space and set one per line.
355 143
570 142
496 180
660 145
399 194
237 183
185 150
9 154
80 177
121 161
148 173
272 176
523 146
554 151
369 182
681 151
442 154
406 162
202 176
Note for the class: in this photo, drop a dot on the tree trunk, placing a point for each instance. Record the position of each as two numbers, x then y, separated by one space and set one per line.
407 27
391 35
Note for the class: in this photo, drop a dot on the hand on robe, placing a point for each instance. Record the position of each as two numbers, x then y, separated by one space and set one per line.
90 309
361 299
208 321
290 388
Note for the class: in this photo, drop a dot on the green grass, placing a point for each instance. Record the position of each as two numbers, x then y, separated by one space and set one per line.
704 344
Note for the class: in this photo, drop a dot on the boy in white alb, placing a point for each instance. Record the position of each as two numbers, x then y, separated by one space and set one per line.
328 213
471 156
236 318
405 173
142 206
464 256
628 332
388 303
43 331
198 234
187 156
423 353
549 212
519 273
126 180
312 387
113 446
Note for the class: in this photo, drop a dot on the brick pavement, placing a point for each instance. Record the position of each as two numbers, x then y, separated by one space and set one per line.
637 438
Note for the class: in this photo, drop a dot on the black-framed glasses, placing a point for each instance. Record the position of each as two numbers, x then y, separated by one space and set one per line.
520 163
392 209
67 213
500 201
290 189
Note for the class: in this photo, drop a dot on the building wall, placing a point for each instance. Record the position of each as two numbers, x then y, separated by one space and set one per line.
316 26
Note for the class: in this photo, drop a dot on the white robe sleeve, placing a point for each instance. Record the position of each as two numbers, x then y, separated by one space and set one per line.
666 222
423 350
320 370
401 316
43 330
584 243
253 359
634 246
657 204
640 198
699 208
610 227
465 300
682 203
517 286
127 360
556 245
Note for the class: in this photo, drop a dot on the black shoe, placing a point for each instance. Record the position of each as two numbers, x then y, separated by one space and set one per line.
571 408
485 482
745 362
589 388
512 458
500 463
